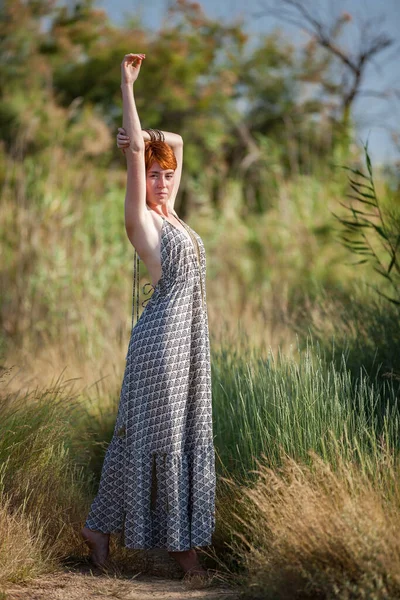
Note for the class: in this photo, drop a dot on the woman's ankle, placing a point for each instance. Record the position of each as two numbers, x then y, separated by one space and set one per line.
86 529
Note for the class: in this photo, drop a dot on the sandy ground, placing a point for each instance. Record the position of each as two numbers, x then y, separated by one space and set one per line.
89 586
80 581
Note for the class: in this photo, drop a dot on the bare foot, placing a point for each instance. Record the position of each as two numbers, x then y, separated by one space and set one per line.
189 561
98 543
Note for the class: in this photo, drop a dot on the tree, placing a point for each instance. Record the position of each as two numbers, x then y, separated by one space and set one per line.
327 61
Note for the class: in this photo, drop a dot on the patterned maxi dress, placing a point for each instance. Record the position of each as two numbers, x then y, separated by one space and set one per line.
158 478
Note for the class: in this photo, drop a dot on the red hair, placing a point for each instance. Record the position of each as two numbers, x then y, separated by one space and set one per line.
160 152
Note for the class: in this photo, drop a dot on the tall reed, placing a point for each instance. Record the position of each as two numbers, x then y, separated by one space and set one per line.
264 404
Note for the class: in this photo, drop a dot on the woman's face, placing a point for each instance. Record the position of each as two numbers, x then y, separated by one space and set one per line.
159 184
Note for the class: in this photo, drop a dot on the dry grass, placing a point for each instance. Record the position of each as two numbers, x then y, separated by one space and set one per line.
23 553
309 532
43 494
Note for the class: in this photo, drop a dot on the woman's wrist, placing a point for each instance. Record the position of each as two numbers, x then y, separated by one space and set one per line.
146 135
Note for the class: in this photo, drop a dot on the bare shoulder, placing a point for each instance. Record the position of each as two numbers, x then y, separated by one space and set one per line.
144 235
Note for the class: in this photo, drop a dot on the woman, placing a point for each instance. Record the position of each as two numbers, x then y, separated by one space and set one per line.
158 477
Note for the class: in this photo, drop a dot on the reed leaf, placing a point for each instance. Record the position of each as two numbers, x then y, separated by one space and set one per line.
360 200
362 221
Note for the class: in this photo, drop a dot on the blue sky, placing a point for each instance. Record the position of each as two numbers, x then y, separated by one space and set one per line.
374 116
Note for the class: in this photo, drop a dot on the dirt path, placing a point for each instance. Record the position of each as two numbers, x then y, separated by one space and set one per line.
87 585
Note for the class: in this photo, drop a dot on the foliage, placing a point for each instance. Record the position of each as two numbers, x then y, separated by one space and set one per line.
362 227
60 76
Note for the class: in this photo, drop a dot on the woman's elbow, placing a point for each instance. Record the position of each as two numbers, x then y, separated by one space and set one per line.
135 149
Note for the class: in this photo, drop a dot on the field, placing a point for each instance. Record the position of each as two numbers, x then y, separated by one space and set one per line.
305 364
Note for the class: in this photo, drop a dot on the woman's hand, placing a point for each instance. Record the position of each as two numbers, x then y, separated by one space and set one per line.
123 140
130 67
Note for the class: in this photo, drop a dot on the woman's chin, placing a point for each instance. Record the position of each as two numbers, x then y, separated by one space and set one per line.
158 201
161 200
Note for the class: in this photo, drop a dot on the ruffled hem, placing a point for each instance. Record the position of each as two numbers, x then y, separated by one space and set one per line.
158 499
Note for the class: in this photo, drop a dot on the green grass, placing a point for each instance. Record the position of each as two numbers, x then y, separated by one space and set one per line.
266 404
270 407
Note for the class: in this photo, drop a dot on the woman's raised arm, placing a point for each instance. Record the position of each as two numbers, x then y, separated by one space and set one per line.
135 197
